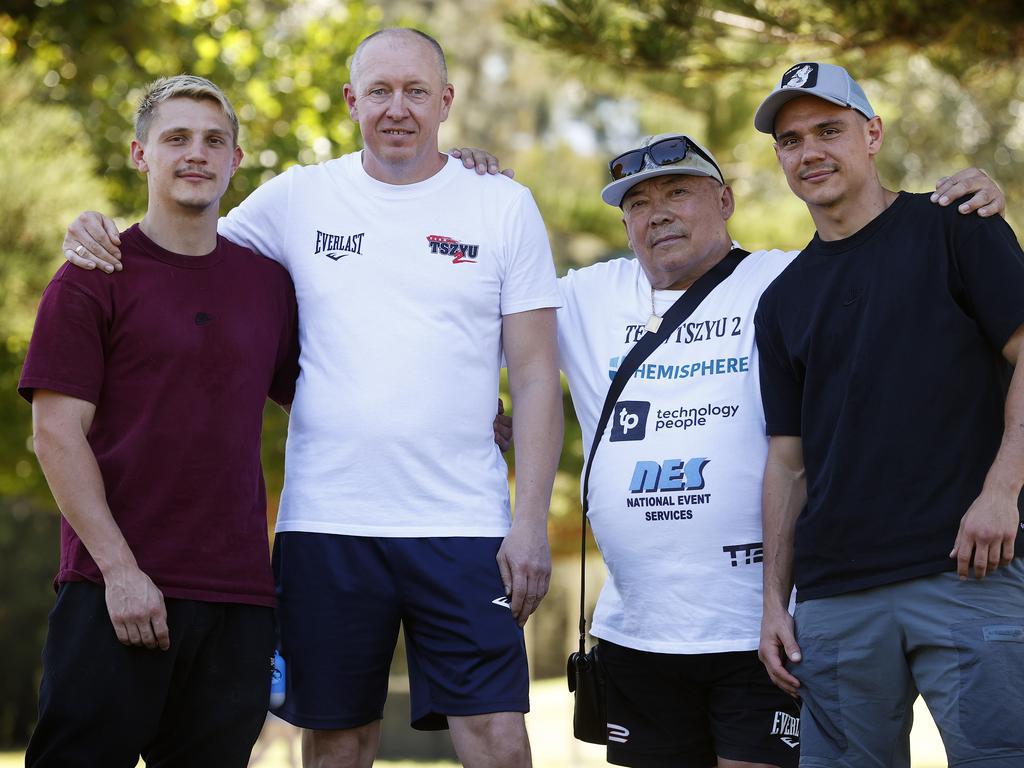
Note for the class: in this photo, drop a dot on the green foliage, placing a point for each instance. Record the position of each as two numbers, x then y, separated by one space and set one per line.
46 175
945 76
28 558
690 36
282 65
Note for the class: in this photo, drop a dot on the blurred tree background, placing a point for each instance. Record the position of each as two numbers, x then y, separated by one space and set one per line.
554 88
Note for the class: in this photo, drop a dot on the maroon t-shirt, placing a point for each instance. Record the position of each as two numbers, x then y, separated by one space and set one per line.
179 354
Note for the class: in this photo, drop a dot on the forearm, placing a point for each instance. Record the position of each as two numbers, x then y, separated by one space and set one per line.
76 483
784 497
531 350
537 425
134 603
1006 475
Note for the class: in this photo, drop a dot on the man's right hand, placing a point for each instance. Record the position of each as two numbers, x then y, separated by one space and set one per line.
92 241
136 608
502 427
777 637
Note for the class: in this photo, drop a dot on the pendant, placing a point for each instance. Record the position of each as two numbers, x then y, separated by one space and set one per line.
653 323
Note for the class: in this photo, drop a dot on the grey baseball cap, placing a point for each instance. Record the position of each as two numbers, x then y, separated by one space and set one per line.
826 81
697 161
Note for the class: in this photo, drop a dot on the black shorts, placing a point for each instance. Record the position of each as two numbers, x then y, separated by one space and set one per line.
199 704
681 711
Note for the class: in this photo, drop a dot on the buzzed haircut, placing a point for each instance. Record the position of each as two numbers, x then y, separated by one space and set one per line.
442 66
178 87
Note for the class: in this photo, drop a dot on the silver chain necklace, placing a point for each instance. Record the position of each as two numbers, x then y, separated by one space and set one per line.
654 321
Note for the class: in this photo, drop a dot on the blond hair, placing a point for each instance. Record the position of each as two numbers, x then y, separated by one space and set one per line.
180 87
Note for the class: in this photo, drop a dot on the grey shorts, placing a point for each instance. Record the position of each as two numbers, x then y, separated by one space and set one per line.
867 654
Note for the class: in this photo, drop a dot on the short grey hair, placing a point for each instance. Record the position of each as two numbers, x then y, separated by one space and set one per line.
442 66
180 87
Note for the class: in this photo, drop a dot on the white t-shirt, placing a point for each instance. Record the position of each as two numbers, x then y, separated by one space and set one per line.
675 490
401 293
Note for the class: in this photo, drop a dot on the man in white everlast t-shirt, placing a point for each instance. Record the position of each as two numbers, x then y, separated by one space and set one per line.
676 484
412 276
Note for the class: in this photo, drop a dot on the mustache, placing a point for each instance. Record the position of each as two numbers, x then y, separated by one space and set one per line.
818 169
193 170
665 235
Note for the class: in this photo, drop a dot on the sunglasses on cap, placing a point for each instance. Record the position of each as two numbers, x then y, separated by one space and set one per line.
664 152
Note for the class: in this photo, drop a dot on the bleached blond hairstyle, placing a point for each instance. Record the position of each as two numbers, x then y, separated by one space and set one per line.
180 87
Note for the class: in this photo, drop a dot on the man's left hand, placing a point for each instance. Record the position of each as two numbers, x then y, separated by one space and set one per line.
987 532
524 561
987 199
481 159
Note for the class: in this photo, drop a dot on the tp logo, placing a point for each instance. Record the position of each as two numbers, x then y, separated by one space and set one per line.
629 420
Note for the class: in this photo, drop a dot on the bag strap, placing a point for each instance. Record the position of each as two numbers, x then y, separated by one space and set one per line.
672 319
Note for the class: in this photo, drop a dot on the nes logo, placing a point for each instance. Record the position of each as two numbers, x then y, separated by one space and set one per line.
668 475
800 76
629 420
461 253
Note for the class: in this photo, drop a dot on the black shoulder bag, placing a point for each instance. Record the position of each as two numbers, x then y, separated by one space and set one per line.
586 677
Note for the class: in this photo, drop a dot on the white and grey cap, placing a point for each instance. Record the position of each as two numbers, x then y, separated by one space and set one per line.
691 165
826 81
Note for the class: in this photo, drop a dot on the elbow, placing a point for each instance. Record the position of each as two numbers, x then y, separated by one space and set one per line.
44 444
799 476
539 379
48 442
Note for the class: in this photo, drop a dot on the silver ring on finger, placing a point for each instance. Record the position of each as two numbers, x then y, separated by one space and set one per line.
79 249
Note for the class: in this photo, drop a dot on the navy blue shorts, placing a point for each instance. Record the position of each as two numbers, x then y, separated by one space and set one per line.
340 602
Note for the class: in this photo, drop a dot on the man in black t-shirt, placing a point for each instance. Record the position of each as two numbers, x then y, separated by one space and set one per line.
885 352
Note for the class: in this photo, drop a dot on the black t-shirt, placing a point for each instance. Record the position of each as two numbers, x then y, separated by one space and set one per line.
882 351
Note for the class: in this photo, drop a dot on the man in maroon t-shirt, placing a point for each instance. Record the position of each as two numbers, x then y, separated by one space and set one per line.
147 396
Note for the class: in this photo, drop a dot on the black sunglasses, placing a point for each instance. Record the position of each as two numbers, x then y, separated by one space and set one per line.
664 152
